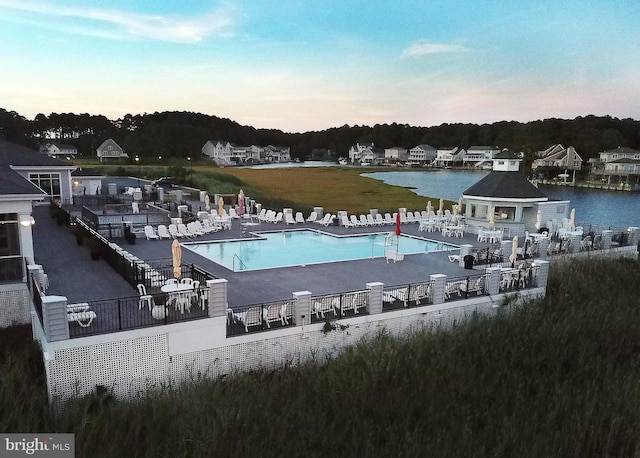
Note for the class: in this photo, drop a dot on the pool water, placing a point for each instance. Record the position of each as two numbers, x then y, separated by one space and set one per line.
303 247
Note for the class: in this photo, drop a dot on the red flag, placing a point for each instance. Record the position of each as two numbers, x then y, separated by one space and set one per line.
398 224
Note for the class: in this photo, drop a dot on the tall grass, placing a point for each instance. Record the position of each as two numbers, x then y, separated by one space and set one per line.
554 377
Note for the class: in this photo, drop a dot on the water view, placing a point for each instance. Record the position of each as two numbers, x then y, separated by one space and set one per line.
606 208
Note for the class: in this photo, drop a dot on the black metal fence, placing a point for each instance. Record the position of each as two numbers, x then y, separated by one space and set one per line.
126 313
400 296
339 305
36 297
260 317
514 279
487 255
457 288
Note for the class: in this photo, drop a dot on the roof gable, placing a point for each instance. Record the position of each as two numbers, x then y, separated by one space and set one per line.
12 154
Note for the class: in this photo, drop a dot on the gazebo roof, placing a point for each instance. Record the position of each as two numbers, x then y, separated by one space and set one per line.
505 185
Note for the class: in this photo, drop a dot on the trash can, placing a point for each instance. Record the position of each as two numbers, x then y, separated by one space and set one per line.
128 234
468 261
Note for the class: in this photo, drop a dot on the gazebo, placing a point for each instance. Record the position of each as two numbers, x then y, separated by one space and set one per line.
512 199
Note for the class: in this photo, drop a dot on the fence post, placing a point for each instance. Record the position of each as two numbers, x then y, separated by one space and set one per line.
493 280
543 273
634 235
302 313
543 246
217 290
606 239
54 318
505 249
375 296
465 250
575 243
439 285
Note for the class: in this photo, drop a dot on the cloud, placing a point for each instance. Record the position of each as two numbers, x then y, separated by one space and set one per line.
422 48
125 25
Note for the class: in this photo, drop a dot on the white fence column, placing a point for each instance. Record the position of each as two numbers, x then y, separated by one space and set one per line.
302 314
217 297
439 285
375 297
634 235
493 280
54 318
606 239
543 272
505 248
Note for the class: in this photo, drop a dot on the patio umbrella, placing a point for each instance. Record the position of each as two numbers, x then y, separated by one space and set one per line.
241 203
440 209
176 251
514 250
220 206
460 205
538 220
207 202
572 218
429 208
492 220
398 231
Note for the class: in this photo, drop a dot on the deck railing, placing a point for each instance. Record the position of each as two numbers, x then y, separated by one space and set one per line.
260 317
464 287
412 294
126 313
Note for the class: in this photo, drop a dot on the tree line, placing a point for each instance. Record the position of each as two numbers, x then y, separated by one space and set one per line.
182 134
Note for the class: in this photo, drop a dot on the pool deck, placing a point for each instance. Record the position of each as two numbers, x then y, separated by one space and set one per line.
73 274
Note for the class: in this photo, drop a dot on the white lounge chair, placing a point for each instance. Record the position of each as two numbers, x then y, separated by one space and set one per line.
262 214
388 219
233 213
354 221
163 233
194 229
363 220
299 217
326 304
326 220
173 230
288 218
379 220
370 220
312 217
150 233
182 229
345 221
210 226
278 218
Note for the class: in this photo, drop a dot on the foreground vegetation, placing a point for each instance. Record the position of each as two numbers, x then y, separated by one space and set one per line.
557 377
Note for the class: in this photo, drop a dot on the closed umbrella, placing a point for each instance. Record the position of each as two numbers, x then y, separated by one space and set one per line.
429 208
460 205
398 231
207 202
539 220
220 206
514 250
176 251
440 209
572 219
492 220
241 203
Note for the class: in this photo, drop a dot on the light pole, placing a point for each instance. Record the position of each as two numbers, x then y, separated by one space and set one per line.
138 163
189 159
161 168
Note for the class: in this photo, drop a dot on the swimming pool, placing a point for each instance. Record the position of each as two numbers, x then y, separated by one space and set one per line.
302 247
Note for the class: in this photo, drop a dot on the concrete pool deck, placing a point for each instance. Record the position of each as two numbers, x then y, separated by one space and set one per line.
73 274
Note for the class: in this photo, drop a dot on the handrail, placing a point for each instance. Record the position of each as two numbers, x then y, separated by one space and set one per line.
233 262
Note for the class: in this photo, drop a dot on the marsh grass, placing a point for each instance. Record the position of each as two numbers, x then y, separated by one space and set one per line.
553 377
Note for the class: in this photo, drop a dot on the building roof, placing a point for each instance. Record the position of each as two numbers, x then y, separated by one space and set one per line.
625 160
18 155
483 148
86 172
12 183
505 185
621 150
425 147
506 154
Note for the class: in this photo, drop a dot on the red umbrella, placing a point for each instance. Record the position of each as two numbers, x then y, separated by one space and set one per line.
398 231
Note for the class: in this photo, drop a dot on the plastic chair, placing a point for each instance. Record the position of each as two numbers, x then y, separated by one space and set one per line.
144 297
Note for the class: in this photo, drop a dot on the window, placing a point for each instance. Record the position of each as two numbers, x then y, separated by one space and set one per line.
479 211
48 182
505 213
9 238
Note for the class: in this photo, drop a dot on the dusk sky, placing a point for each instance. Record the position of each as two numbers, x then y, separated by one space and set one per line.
301 65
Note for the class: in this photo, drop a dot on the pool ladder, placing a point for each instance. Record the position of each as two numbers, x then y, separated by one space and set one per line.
233 264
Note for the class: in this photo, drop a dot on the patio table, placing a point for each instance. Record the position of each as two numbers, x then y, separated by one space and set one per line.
181 293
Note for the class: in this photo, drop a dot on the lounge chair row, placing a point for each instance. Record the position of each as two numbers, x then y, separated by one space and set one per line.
175 231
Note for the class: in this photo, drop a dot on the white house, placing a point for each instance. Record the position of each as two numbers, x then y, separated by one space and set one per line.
448 156
359 151
422 153
59 150
226 153
479 156
109 149
562 158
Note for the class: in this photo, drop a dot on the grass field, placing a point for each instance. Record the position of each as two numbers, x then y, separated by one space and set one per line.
555 377
334 188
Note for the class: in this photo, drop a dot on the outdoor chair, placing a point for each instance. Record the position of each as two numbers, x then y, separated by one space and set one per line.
313 216
379 220
363 220
186 281
326 304
163 233
252 317
289 219
84 319
150 233
299 217
173 230
388 219
145 299
182 229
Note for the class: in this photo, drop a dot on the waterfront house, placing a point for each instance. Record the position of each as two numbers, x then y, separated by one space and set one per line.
479 156
559 158
423 153
618 165
109 149
513 200
448 156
